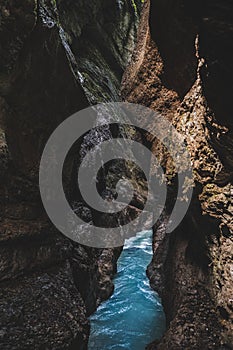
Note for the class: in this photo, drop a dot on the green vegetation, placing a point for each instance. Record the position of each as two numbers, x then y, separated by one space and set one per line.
133 2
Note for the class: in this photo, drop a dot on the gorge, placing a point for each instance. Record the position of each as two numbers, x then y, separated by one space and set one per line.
60 56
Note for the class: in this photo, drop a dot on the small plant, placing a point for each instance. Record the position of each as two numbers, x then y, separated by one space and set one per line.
135 5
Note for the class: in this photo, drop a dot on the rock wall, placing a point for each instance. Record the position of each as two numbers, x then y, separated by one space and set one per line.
182 68
56 57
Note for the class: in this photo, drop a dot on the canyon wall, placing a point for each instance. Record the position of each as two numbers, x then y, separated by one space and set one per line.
56 58
182 68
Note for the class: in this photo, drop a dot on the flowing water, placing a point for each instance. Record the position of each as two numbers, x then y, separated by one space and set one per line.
133 316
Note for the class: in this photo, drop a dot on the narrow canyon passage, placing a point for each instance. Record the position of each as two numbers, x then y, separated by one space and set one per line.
133 316
58 58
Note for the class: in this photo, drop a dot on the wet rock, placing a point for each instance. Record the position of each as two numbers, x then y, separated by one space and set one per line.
56 57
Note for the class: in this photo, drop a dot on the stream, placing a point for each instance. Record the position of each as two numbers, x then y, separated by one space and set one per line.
133 316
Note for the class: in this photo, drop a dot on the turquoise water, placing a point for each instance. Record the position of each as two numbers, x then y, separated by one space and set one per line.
133 316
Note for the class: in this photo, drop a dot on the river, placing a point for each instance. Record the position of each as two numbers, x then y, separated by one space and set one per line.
133 316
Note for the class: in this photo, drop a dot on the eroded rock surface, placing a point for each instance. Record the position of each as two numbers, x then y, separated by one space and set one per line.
182 69
56 57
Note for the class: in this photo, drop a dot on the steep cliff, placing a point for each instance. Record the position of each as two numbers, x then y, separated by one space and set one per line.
182 68
57 57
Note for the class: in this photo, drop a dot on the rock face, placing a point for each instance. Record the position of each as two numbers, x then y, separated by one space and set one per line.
182 68
56 57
